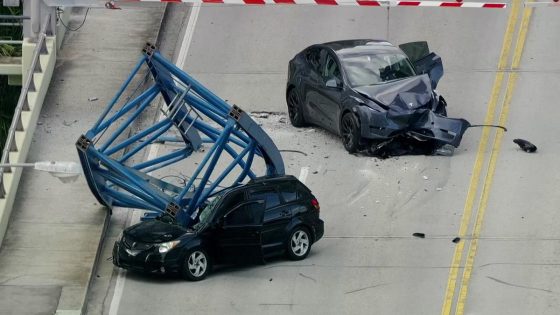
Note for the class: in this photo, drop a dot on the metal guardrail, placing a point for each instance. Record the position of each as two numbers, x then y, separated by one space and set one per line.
16 125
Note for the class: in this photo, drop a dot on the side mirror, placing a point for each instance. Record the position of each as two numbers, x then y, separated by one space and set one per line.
333 83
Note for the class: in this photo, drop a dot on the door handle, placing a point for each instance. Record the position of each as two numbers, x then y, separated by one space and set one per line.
285 213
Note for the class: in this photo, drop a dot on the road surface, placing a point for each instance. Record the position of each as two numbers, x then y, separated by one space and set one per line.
498 199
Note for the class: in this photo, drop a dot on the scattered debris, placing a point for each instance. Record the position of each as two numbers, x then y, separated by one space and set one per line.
307 277
439 189
425 177
456 240
419 235
270 279
315 172
282 120
361 289
377 201
525 145
294 151
68 124
445 150
92 99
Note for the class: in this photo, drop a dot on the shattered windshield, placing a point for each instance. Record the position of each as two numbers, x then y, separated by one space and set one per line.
207 213
369 69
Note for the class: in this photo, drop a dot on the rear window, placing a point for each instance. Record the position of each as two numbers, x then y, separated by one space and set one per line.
293 191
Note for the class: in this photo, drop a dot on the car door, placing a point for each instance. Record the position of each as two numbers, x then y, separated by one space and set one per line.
312 86
330 92
424 61
277 216
238 234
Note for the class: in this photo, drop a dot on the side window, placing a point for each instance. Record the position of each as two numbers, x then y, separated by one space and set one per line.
231 201
270 197
331 69
313 58
250 214
289 192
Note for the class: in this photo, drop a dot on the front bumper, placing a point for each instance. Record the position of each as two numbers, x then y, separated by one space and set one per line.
149 260
422 123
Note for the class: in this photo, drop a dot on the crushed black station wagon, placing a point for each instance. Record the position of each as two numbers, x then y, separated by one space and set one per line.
374 95
243 224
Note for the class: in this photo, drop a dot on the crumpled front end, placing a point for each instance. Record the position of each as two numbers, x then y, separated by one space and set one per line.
420 123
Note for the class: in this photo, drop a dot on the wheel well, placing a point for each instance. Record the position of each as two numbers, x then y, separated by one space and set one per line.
342 115
290 87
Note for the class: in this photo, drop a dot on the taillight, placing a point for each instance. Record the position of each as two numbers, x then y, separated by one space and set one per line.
315 204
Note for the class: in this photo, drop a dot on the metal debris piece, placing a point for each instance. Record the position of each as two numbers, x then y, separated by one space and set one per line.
92 99
525 145
456 240
419 235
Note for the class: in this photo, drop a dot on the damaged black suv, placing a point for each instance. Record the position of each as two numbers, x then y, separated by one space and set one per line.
244 224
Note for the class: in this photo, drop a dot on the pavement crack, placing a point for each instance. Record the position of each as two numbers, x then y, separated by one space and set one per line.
518 286
365 288
307 277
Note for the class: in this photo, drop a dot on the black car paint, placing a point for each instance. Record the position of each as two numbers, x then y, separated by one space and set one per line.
408 106
225 245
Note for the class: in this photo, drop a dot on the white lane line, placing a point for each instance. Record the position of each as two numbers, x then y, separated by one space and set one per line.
153 152
303 174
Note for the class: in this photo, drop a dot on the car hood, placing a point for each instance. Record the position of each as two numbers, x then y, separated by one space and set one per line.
406 94
154 231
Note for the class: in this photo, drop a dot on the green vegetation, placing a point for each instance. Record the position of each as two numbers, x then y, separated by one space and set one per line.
9 95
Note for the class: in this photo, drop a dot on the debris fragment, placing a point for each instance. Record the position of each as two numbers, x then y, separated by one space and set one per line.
445 150
456 240
282 120
425 177
92 99
294 151
525 145
68 124
419 235
270 279
439 189
377 201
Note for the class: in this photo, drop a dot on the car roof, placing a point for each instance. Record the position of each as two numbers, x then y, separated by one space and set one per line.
263 181
352 46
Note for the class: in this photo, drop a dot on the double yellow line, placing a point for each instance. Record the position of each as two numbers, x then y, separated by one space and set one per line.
480 159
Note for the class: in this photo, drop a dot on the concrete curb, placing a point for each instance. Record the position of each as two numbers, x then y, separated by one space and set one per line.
107 219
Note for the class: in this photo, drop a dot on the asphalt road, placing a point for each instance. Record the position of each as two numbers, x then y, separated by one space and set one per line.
499 200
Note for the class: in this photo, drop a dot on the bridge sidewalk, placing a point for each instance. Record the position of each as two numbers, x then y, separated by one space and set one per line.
48 254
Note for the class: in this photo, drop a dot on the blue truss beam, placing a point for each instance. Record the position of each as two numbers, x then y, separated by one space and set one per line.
189 110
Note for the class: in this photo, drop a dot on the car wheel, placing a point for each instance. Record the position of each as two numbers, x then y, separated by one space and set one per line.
294 109
196 265
441 107
350 132
299 243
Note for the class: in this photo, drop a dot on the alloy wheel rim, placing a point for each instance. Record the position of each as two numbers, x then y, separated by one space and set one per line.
197 263
299 243
347 131
292 105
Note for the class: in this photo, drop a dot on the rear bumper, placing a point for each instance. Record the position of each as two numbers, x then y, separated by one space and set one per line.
150 260
318 230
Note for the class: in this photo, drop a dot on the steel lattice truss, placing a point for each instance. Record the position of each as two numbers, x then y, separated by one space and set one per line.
198 116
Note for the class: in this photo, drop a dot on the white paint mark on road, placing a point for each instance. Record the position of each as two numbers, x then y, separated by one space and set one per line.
303 174
153 152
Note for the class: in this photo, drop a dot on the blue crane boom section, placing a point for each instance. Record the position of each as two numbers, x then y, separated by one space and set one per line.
198 116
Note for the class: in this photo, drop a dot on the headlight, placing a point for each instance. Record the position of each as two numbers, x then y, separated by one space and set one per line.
165 247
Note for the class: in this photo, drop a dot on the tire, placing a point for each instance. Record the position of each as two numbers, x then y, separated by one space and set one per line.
299 243
295 112
350 132
441 108
196 265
